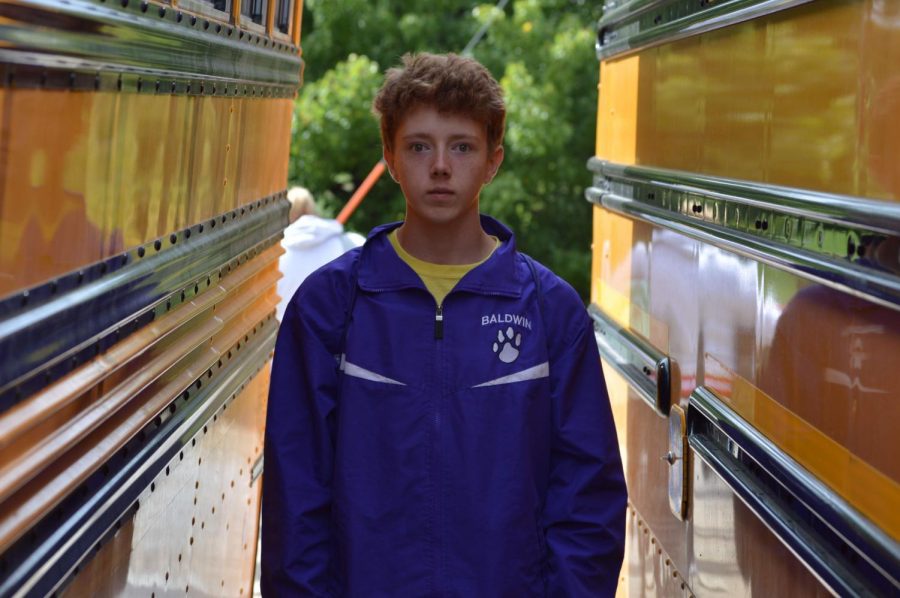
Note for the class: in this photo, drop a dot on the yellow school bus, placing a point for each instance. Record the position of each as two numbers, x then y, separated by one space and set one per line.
143 166
746 291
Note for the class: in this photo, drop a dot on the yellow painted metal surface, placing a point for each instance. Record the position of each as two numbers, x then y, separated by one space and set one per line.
87 175
612 235
806 97
870 491
617 116
611 279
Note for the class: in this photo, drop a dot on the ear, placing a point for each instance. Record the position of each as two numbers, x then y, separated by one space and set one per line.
495 159
389 160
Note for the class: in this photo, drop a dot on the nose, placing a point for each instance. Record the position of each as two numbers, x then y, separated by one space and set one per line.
440 166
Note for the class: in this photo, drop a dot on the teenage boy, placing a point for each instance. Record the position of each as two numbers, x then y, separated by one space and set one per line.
438 422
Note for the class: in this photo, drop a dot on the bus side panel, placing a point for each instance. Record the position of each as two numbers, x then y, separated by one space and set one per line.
808 365
144 156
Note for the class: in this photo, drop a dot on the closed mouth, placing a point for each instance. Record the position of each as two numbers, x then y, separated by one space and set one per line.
440 191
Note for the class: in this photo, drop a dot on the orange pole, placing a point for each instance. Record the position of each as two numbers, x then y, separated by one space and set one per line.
361 192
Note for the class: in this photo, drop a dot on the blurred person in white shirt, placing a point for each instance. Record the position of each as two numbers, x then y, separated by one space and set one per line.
309 242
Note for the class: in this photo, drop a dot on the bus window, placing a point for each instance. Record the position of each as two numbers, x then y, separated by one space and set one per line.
283 11
211 8
255 10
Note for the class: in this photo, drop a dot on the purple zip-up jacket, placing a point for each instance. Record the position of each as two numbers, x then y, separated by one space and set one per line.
467 450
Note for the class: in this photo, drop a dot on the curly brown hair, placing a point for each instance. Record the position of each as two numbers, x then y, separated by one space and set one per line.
452 84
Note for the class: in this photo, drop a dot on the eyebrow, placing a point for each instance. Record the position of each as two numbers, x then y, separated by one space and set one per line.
456 137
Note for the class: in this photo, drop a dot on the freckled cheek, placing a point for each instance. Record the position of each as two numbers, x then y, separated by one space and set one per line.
419 166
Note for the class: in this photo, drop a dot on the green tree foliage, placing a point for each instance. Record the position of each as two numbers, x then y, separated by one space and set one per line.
542 53
336 142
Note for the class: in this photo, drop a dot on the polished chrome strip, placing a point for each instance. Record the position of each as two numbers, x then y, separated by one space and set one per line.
642 23
257 469
646 369
158 42
48 330
846 551
831 239
842 210
47 561
33 70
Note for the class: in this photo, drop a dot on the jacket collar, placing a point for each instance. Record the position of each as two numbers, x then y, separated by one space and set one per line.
381 269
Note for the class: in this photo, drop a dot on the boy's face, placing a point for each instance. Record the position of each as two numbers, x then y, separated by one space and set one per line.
441 162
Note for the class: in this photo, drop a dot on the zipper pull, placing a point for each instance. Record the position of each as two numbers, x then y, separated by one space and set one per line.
439 323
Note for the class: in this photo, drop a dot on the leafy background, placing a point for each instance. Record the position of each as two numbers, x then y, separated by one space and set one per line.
541 51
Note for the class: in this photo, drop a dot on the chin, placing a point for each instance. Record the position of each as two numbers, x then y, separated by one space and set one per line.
437 215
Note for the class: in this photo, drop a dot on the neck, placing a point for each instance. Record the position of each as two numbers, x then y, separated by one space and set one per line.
449 243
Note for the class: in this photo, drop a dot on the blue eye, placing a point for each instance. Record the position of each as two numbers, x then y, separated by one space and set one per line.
464 148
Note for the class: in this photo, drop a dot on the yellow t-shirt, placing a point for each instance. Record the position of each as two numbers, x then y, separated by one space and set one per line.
439 279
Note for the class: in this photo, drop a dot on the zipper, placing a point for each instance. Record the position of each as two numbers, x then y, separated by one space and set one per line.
437 457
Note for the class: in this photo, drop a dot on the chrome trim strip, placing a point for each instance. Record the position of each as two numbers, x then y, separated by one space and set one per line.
257 469
642 23
48 330
647 370
42 566
815 523
830 239
32 70
843 210
158 42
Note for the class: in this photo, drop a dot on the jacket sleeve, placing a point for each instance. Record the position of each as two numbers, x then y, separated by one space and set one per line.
297 537
584 516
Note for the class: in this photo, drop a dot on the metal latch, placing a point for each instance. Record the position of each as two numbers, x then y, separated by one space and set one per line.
679 459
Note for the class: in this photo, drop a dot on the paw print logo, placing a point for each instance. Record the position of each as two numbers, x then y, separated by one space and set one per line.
506 345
